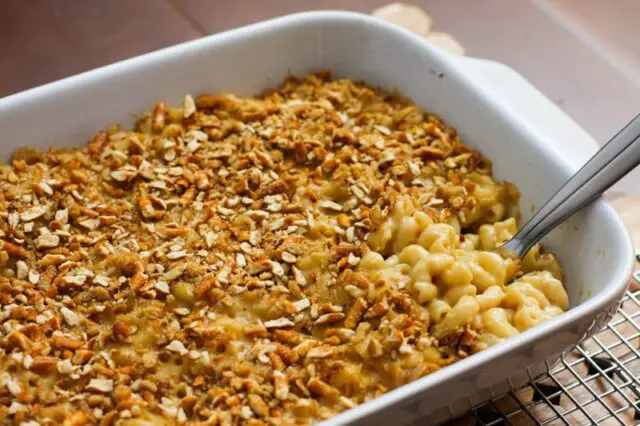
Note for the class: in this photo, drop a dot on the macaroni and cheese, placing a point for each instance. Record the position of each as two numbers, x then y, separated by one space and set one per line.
268 260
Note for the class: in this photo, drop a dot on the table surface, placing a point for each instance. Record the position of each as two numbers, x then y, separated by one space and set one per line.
51 39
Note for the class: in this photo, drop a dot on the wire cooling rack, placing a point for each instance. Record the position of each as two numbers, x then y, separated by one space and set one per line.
597 383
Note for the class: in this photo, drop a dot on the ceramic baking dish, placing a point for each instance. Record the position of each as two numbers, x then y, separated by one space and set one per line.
530 141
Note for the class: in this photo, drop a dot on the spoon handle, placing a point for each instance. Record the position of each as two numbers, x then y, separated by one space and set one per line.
612 162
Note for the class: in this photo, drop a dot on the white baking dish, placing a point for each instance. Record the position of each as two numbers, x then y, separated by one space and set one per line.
530 141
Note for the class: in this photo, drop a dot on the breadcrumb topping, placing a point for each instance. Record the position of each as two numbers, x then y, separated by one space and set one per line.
206 265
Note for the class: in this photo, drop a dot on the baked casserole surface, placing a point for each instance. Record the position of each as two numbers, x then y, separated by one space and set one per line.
268 260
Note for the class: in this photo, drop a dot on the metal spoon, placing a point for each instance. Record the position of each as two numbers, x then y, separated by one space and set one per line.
610 164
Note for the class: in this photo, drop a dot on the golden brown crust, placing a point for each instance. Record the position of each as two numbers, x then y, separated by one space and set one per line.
201 267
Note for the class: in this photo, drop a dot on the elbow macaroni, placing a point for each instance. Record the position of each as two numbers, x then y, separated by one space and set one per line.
459 280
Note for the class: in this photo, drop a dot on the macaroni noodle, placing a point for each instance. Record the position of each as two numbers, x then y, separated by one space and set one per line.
456 277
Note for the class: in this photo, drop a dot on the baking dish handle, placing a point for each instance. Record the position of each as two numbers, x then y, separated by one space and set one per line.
569 140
